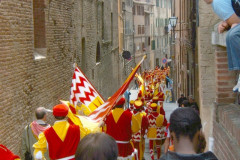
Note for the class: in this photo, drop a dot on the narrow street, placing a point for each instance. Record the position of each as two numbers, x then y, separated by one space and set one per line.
85 52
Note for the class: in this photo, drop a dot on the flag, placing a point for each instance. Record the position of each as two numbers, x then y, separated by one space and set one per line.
142 86
83 91
101 112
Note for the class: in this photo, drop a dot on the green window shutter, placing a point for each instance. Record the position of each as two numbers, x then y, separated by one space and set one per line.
153 44
157 3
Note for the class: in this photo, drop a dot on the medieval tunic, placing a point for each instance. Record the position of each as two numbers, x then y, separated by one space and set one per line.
121 125
62 140
156 132
139 136
6 154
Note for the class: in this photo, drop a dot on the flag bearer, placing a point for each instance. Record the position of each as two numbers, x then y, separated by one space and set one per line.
156 131
143 121
121 125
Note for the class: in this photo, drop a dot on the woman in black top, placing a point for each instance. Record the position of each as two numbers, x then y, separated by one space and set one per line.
188 139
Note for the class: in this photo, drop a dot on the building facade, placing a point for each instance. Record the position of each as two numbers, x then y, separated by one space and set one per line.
151 36
40 41
185 57
161 41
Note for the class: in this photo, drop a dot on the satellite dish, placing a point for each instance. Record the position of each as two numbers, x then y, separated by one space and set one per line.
126 55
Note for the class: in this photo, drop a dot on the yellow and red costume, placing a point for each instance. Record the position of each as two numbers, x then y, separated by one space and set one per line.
6 154
121 125
156 130
61 139
139 136
160 109
161 97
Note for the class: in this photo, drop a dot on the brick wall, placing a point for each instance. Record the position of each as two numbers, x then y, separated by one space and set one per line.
225 79
226 129
27 83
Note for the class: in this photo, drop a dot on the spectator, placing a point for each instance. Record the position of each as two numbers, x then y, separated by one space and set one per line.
225 10
192 102
97 146
185 103
127 94
195 108
32 131
61 139
185 129
181 99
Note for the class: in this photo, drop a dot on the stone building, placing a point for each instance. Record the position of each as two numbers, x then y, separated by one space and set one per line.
142 10
184 40
40 41
126 33
160 30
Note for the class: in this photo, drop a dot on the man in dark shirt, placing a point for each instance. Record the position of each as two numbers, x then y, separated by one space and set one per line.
181 99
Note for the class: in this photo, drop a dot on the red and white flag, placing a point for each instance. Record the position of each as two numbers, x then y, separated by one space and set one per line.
83 91
101 112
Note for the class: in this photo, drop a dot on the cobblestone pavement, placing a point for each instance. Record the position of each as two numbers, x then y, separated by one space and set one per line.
168 107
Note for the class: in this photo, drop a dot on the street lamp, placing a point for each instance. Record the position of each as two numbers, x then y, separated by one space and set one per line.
173 21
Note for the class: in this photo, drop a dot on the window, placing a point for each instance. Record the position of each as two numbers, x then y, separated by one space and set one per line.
39 24
103 21
133 10
157 43
149 41
153 44
127 28
143 29
147 21
138 10
139 29
142 10
143 46
98 55
112 28
157 3
83 63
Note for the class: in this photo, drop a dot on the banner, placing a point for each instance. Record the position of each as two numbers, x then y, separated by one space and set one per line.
83 91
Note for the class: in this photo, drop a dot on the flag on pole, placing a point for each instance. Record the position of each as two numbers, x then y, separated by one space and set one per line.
83 91
101 112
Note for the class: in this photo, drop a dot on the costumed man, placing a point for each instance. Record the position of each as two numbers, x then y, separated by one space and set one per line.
61 139
159 107
143 121
121 125
32 131
131 106
6 154
156 131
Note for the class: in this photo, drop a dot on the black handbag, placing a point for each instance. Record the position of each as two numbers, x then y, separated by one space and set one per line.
28 155
236 6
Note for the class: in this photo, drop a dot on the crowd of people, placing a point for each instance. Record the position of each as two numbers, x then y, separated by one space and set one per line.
123 131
